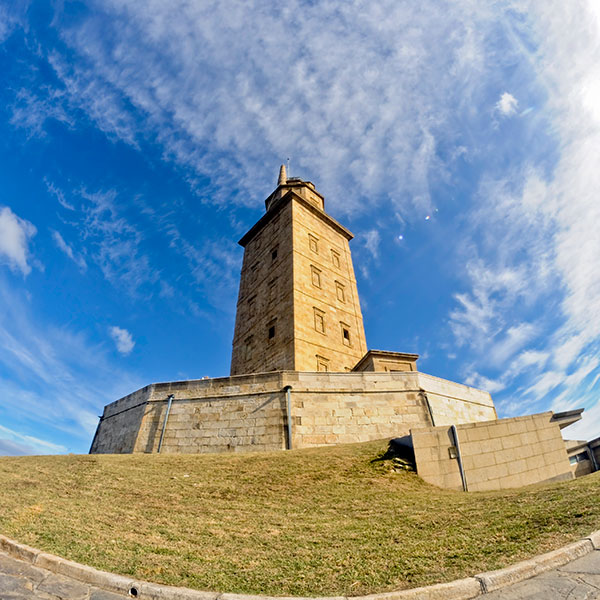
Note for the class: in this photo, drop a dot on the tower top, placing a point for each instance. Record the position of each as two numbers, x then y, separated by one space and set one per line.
282 176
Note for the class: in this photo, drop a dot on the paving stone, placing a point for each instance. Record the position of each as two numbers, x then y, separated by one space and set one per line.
12 566
11 583
64 588
586 564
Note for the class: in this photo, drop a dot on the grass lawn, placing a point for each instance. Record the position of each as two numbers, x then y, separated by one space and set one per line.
323 521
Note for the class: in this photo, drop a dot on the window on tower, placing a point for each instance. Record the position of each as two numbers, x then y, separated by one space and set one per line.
271 330
248 348
274 253
252 306
319 320
322 363
273 290
339 288
345 334
313 243
335 258
315 276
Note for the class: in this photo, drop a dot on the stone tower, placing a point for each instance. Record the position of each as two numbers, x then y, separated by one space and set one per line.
298 305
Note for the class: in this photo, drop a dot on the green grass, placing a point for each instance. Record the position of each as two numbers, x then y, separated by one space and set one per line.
323 521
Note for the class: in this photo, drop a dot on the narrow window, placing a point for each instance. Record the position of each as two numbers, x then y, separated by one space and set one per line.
345 334
274 254
316 276
273 290
271 331
313 243
341 296
252 307
322 364
248 348
319 320
335 258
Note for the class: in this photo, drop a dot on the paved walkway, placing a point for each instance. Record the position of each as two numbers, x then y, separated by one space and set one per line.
21 581
579 580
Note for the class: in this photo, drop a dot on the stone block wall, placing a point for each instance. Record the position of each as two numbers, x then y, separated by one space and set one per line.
505 453
453 403
324 282
249 412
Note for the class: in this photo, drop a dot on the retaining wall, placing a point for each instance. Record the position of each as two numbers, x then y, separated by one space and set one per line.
249 412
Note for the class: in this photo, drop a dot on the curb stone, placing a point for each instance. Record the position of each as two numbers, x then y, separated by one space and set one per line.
460 589
495 580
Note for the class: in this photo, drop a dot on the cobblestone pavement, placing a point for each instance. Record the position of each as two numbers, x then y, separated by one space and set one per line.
579 580
21 581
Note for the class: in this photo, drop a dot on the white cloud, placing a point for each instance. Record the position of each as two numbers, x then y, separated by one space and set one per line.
18 443
30 111
350 97
59 379
485 383
59 194
507 105
114 243
122 339
515 338
15 234
64 247
371 239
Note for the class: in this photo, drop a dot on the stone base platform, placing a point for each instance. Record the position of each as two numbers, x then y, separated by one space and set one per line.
250 412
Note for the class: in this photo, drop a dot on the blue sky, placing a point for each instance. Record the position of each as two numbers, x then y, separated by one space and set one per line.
459 141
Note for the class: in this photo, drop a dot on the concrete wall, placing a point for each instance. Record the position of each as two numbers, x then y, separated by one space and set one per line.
500 454
249 412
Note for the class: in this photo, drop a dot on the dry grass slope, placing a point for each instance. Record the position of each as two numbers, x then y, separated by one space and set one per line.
324 521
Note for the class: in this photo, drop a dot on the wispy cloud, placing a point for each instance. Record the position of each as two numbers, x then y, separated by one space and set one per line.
115 244
542 223
64 247
30 110
59 378
14 443
143 70
15 234
123 339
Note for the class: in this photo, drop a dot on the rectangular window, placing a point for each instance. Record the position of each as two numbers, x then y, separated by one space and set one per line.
273 290
322 363
252 306
248 348
345 334
315 276
313 243
274 253
335 259
319 320
271 330
339 288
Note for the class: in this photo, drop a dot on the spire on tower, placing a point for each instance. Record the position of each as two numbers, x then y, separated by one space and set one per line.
282 176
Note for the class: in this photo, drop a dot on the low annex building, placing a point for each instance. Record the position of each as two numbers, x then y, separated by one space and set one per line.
301 373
